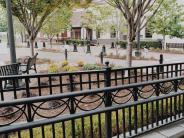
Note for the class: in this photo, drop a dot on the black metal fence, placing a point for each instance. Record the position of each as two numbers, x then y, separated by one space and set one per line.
49 84
127 110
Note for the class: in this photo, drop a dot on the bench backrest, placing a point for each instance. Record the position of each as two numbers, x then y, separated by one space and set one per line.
11 69
31 61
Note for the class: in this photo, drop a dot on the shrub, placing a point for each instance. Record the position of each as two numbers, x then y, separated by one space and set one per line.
91 67
66 68
147 44
72 68
69 68
64 63
53 68
80 63
77 41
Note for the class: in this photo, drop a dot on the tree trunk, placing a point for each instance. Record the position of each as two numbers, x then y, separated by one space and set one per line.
57 38
129 47
129 53
22 38
32 43
164 43
51 42
98 42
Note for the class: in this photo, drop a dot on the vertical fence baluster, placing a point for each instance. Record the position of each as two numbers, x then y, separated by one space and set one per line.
116 77
135 75
61 83
53 131
63 128
117 123
171 109
130 120
147 74
176 70
142 118
72 105
129 76
39 87
80 80
50 85
135 95
43 131
124 122
158 72
157 103
152 114
123 76
98 80
171 70
162 111
82 123
99 126
166 110
179 108
89 78
1 90
29 112
147 114
175 97
91 126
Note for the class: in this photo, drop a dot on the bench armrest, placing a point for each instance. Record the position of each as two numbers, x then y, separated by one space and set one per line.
26 59
23 64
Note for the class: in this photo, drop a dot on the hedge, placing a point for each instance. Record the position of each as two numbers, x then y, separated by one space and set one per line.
147 44
72 41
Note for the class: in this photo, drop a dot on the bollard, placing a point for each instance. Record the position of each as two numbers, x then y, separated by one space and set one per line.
88 49
28 44
112 45
104 50
66 54
44 45
161 59
36 45
101 57
75 47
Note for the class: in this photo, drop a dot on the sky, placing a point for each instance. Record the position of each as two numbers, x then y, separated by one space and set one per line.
181 1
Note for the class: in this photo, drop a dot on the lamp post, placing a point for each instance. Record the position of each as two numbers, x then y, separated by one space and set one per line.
11 32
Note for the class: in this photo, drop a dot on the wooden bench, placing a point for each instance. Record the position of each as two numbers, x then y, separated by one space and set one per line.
29 64
9 70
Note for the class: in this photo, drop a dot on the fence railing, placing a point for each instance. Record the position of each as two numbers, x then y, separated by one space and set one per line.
49 84
127 111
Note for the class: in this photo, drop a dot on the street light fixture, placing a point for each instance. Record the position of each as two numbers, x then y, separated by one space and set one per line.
11 32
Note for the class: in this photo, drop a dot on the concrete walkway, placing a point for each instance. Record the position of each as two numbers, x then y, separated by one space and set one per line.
174 130
73 57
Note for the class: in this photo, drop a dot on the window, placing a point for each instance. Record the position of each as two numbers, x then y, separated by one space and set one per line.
113 33
76 33
148 33
97 34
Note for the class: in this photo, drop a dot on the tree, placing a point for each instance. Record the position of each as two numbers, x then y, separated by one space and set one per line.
33 13
135 13
96 18
168 21
19 29
57 22
3 23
